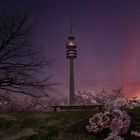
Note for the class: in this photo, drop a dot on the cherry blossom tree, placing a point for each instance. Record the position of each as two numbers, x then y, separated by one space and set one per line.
10 103
101 98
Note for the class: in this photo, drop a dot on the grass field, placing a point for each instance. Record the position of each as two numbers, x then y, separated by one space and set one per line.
54 126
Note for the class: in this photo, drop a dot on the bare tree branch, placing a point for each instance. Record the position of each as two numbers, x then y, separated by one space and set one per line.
20 62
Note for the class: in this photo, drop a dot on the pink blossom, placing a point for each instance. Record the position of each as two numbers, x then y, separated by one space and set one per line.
135 133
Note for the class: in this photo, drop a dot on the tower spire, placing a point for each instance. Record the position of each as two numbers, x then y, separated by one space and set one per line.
71 27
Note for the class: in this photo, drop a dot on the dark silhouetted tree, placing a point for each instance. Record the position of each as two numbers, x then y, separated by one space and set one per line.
20 62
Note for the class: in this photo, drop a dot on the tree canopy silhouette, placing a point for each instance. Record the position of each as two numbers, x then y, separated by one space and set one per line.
20 62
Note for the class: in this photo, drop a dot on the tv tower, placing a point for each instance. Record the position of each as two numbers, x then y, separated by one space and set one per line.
71 54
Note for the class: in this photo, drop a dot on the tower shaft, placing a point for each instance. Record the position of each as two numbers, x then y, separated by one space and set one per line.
72 87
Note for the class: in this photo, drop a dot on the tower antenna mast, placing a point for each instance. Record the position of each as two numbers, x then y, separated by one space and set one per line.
71 27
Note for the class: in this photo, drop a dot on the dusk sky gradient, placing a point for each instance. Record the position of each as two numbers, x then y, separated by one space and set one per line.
108 40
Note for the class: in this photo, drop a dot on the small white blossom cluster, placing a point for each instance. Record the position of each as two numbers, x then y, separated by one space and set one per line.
135 133
113 136
131 103
117 120
98 122
119 125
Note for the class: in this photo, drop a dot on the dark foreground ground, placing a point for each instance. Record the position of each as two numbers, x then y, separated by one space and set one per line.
54 126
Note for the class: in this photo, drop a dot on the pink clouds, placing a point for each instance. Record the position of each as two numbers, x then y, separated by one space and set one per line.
130 66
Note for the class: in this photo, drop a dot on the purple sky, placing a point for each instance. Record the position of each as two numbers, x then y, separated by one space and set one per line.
108 37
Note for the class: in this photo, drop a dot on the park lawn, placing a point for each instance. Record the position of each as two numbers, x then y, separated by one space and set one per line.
54 126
